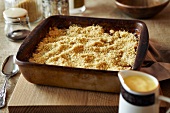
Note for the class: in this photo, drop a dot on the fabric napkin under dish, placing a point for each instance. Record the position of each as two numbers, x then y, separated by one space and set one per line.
158 62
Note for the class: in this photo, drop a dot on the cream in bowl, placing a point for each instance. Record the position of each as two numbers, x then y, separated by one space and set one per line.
140 83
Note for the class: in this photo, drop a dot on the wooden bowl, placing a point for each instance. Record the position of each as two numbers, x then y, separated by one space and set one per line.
141 9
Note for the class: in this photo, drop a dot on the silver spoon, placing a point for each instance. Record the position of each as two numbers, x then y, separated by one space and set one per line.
9 68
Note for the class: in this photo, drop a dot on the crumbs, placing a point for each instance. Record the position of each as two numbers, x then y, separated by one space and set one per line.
87 47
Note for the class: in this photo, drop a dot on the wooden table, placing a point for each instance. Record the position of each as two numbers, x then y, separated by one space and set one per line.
158 30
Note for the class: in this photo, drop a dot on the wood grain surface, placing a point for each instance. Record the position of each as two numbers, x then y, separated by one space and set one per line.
31 98
28 97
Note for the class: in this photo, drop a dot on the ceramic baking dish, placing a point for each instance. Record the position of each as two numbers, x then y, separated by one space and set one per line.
78 78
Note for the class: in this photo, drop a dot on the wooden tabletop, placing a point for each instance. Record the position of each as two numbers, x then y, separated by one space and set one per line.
158 26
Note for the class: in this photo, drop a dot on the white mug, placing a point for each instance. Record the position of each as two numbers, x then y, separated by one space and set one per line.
137 95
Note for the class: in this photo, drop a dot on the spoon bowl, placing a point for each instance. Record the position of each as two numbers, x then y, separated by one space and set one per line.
9 69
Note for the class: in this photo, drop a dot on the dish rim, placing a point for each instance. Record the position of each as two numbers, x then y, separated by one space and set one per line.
141 45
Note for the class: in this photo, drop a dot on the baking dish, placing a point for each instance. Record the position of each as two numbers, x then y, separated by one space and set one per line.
78 78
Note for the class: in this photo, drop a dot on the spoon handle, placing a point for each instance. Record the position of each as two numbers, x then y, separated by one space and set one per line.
3 94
